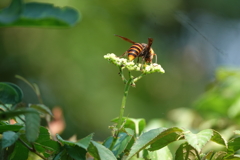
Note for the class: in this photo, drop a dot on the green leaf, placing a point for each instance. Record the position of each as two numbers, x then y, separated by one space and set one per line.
200 139
208 155
45 145
185 152
84 142
135 124
41 108
37 14
12 114
220 155
100 152
14 128
166 137
62 141
217 137
61 155
9 138
36 89
76 152
17 89
10 93
12 13
144 140
161 154
20 152
233 145
27 82
32 121
120 144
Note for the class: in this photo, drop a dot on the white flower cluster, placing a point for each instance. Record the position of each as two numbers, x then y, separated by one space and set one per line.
131 66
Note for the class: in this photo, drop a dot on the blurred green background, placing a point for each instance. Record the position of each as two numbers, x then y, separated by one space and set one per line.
191 39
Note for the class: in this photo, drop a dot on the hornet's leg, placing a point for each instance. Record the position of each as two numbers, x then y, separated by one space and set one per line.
124 54
155 57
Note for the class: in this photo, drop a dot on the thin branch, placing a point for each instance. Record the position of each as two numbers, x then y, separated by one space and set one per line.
31 149
122 75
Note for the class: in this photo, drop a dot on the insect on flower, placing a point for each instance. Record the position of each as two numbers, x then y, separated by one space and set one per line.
140 50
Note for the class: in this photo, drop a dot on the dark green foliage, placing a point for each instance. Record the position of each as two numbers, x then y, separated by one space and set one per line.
84 142
13 113
20 152
37 14
129 142
185 152
99 151
76 152
118 145
41 108
10 93
9 138
7 127
32 121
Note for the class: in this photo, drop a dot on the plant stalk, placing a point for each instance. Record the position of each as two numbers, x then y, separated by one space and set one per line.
32 149
124 99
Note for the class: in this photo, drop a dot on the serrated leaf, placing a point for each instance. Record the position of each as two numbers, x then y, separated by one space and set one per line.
84 142
62 141
166 137
9 138
185 152
38 14
45 145
20 152
119 145
76 152
144 140
41 108
10 93
200 139
32 121
100 152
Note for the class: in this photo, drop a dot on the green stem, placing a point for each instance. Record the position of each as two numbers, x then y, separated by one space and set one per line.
32 149
124 99
139 77
186 156
122 75
199 158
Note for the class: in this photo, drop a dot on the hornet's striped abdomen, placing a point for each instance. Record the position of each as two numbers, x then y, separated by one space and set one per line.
135 51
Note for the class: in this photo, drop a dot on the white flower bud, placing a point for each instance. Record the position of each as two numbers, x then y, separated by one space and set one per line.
132 66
